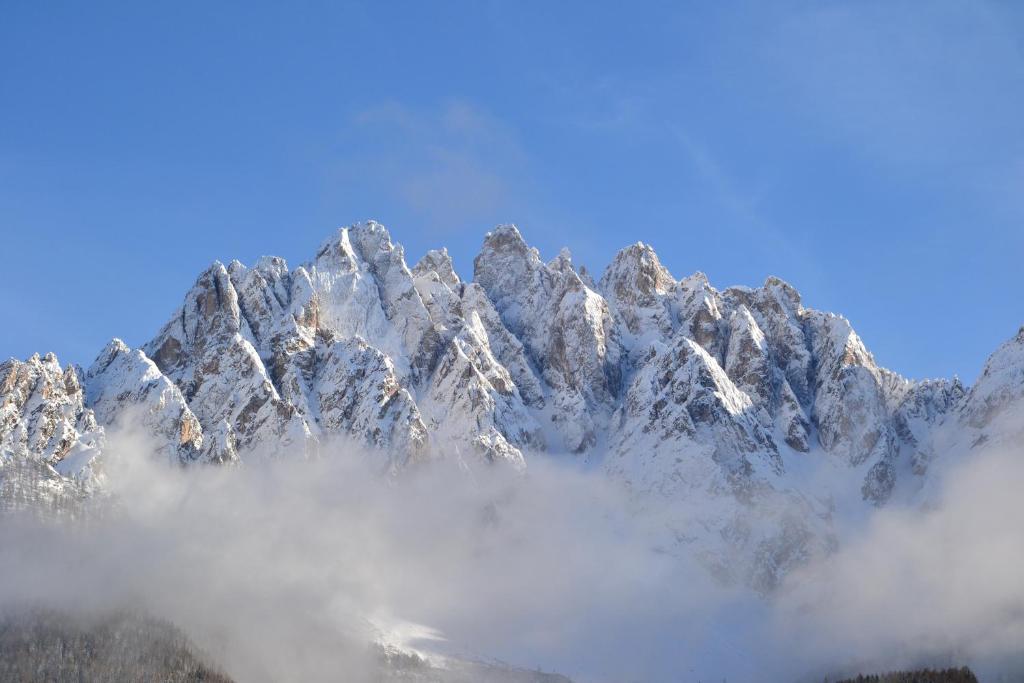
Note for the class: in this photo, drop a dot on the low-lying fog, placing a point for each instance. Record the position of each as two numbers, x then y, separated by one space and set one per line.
284 570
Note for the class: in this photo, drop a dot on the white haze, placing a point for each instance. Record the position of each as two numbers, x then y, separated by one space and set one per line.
943 584
283 571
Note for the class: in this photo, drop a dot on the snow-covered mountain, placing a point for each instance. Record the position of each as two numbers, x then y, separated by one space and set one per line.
731 400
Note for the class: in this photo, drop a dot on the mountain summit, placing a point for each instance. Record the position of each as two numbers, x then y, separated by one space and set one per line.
677 389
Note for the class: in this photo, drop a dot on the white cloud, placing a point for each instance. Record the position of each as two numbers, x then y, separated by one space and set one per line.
923 586
283 571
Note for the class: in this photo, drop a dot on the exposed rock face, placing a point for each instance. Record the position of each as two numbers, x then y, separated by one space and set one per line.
949 422
505 346
50 443
640 292
924 406
208 350
43 417
357 391
674 386
681 405
123 385
566 329
364 288
1000 387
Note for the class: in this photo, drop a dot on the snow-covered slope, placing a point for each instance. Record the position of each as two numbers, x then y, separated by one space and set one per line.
999 390
123 385
728 399
50 443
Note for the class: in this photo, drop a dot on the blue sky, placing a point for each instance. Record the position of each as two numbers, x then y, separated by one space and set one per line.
870 153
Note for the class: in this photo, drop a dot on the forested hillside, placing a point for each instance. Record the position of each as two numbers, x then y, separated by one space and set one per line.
40 645
961 675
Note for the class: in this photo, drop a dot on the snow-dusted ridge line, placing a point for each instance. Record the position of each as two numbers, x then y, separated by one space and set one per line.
671 385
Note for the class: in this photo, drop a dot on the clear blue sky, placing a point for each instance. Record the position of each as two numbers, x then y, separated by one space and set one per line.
871 153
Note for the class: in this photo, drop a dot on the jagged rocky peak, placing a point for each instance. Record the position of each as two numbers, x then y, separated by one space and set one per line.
506 238
273 301
357 392
372 242
636 271
566 328
507 348
700 312
43 416
685 431
921 408
367 246
562 263
776 306
640 291
543 350
804 371
438 261
355 244
783 293
675 387
124 388
999 388
209 351
747 361
440 288
210 310
364 288
473 401
850 408
374 346
515 279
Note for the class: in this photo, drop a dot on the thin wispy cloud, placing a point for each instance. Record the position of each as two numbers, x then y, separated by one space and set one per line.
453 167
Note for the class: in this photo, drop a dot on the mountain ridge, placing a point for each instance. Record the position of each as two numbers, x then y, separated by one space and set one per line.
669 385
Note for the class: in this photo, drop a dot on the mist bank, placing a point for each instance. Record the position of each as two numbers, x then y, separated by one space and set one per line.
287 570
